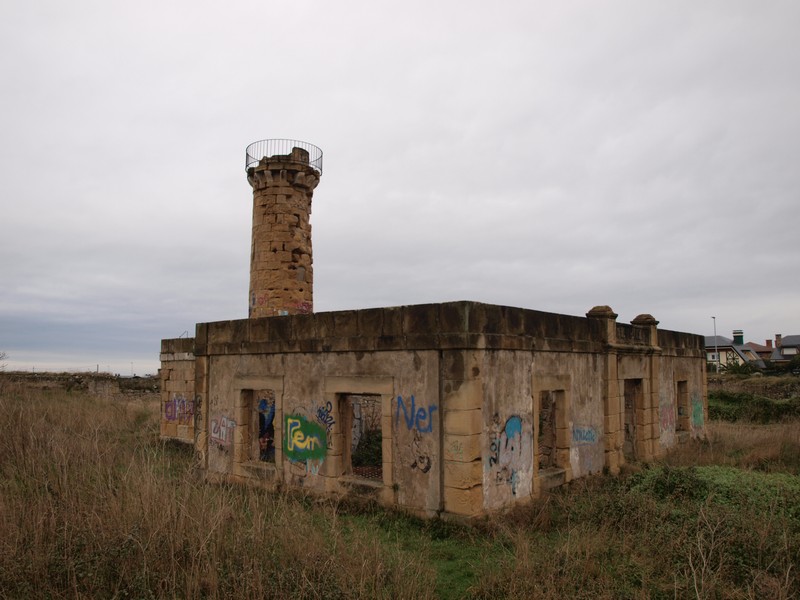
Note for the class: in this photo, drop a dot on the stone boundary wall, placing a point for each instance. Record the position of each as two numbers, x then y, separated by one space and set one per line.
177 389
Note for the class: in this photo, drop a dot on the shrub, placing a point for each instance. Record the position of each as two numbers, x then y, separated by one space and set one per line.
735 406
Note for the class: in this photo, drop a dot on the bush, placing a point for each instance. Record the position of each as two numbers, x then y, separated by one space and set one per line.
739 368
742 406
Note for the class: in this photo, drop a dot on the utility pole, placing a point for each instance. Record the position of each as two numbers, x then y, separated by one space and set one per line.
716 348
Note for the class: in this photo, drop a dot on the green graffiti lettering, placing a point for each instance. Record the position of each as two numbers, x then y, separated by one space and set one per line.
697 412
303 440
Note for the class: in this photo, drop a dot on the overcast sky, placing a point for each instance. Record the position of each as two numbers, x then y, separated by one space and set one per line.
548 155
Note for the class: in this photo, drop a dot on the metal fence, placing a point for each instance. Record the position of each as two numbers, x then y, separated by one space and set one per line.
268 148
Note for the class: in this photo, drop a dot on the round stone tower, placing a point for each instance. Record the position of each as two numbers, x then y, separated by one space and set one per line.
283 175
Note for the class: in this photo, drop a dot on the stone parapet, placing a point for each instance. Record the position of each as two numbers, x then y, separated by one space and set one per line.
448 326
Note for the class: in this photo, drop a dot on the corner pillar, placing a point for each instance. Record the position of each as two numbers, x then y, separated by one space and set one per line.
613 406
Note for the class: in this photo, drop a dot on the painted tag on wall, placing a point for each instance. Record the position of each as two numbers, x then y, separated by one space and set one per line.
303 439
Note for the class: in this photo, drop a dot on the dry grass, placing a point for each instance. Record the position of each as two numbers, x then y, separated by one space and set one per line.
718 519
770 447
93 505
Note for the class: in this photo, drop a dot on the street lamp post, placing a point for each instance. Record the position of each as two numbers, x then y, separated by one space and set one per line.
716 348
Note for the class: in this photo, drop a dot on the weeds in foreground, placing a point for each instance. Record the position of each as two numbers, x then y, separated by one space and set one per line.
92 504
774 447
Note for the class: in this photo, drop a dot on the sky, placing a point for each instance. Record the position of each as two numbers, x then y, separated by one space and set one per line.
548 155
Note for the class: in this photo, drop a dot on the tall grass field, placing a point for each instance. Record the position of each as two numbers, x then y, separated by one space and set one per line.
94 505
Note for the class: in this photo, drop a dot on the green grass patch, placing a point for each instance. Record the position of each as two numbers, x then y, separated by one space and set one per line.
743 406
456 553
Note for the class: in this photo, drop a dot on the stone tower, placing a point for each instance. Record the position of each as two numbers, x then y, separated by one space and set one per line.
283 175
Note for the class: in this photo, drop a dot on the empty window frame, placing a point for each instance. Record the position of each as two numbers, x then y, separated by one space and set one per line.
634 402
262 425
363 435
550 402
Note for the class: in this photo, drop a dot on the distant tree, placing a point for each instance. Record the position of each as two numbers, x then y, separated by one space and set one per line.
3 356
737 368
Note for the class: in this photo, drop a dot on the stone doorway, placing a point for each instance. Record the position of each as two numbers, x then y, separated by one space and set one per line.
633 404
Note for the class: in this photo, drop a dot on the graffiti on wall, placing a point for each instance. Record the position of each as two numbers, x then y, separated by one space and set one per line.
266 426
422 459
179 409
455 449
666 415
697 412
583 436
261 300
303 308
303 440
419 418
325 416
222 432
510 453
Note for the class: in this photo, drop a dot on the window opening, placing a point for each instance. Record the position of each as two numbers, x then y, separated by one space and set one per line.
633 402
364 436
263 428
547 430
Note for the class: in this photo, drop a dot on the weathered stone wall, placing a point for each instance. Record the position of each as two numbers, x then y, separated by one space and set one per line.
470 407
310 392
177 375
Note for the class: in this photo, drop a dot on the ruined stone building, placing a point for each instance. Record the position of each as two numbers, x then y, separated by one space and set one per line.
458 408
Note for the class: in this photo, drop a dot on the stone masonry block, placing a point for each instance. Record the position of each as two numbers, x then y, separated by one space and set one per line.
241 452
562 457
563 438
304 326
386 447
388 476
463 502
463 475
325 325
420 319
370 322
462 364
513 320
332 466
220 332
453 317
392 321
259 330
241 400
463 422
336 441
346 323
612 462
485 318
562 422
463 395
462 448
611 423
201 334
280 329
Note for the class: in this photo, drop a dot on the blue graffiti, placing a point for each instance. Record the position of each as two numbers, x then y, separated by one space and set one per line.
420 418
513 427
583 435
